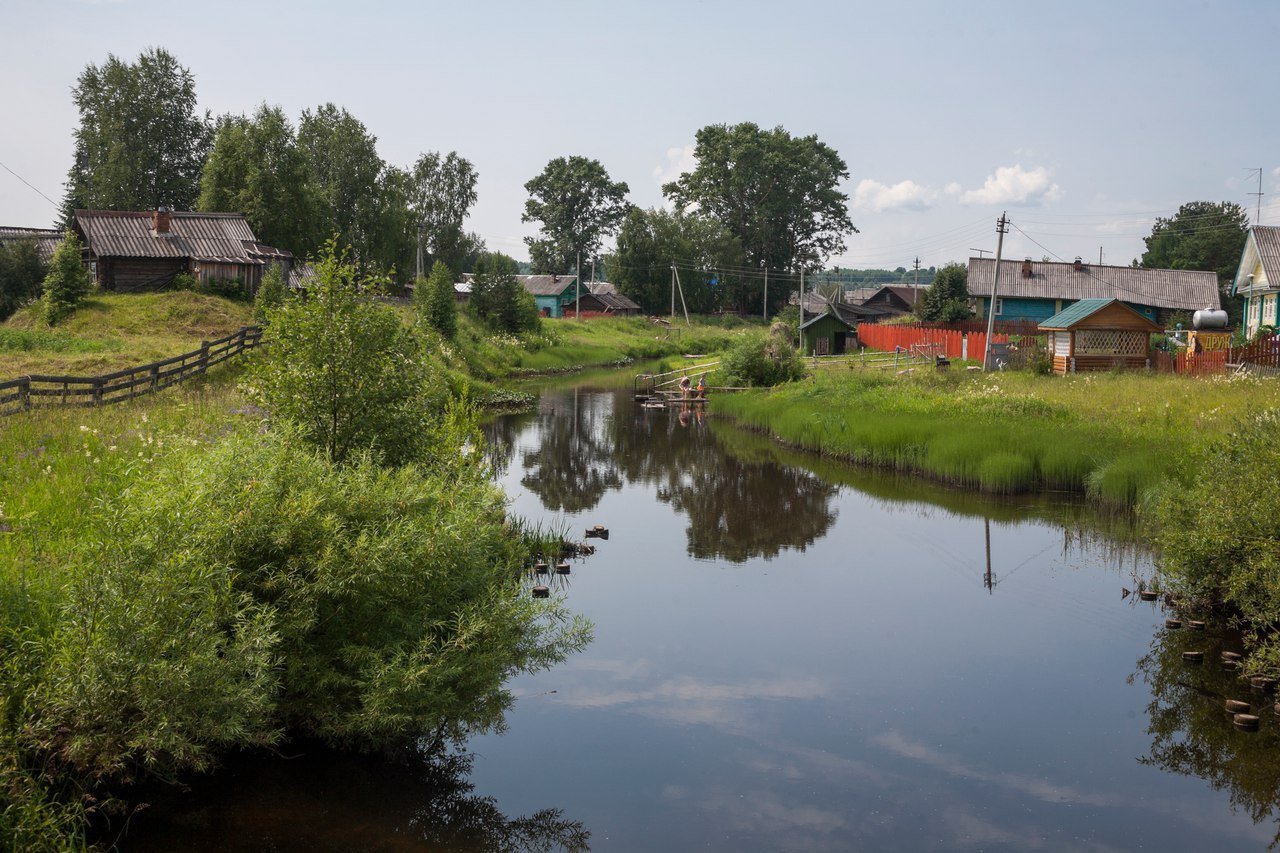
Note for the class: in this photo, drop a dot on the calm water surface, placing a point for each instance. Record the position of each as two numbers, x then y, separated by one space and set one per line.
793 655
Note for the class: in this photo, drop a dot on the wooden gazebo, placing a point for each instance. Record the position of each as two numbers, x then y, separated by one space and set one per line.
1098 334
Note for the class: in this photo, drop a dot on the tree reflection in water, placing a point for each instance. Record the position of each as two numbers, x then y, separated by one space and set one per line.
1192 734
326 800
739 505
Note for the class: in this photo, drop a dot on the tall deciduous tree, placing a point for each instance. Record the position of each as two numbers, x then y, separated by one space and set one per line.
1202 235
140 142
708 256
442 190
577 204
256 168
778 194
343 162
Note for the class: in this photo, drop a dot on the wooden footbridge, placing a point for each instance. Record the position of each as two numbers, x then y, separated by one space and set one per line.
663 389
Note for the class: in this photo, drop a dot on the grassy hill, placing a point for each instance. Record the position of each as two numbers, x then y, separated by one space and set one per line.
112 331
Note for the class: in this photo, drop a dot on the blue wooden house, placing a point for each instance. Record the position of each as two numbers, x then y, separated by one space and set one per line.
1037 290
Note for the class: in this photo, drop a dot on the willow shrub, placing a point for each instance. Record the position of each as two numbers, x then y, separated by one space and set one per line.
259 587
1219 531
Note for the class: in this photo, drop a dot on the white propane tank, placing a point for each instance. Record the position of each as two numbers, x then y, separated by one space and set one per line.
1209 318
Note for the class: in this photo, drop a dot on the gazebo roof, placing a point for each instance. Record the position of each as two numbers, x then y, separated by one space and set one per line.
1078 312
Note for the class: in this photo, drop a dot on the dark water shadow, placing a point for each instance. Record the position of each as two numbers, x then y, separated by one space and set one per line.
327 800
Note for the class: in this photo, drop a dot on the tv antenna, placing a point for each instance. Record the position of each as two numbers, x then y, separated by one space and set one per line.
1257 219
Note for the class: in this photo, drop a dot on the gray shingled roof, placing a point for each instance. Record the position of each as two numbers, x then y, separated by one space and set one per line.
545 285
1267 239
46 239
214 237
1185 289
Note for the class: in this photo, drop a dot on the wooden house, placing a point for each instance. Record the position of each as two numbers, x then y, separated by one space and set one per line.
894 300
1099 334
45 240
132 250
1037 290
1258 278
604 298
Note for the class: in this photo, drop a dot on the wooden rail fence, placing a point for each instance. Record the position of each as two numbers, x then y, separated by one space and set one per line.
28 392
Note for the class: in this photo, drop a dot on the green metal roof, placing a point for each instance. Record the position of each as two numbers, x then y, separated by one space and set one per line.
827 313
1075 312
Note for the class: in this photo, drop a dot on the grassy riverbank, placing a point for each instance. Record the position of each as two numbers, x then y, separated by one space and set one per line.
1115 437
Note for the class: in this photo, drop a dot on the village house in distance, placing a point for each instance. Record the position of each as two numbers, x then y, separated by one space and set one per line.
1033 291
137 250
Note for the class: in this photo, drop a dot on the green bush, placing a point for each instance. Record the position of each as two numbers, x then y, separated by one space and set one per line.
433 299
228 288
764 362
185 281
1219 531
348 374
271 294
67 283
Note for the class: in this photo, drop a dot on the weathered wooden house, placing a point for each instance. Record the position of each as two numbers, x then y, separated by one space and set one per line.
1099 334
45 240
603 297
1258 278
1036 290
131 250
894 300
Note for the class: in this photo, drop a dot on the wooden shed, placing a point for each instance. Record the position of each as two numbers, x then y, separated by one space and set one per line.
1098 334
828 334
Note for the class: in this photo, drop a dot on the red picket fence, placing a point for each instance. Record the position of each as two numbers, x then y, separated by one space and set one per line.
948 342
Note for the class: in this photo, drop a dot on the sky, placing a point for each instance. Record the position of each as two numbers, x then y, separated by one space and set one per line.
1083 120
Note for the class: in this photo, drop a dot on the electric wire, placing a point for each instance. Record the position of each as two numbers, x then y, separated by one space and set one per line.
29 184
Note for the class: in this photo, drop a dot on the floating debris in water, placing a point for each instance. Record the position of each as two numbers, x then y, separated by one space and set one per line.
1195 624
1173 623
1235 706
1148 595
541 591
562 568
1193 657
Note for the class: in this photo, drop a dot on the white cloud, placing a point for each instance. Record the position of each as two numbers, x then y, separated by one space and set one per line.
1015 185
904 195
679 161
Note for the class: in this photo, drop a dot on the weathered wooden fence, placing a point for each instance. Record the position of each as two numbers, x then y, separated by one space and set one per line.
35 391
1262 353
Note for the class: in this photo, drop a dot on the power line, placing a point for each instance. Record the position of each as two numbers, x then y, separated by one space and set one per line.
29 184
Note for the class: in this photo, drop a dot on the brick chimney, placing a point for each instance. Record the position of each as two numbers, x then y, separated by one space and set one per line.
1078 265
160 220
1026 268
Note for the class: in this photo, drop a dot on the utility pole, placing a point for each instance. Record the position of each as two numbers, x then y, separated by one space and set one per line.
683 304
593 269
419 275
799 333
765 312
1257 217
988 580
577 288
1099 256
1002 226
917 285
673 291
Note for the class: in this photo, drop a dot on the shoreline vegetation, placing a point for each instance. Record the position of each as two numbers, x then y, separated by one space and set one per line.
189 547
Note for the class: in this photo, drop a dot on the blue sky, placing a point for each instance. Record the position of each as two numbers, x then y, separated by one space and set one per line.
1083 120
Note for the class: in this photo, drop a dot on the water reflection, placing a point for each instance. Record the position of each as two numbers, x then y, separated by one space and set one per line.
323 800
739 503
1193 735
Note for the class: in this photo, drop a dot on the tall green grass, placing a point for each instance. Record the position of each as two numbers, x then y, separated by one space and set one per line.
1113 437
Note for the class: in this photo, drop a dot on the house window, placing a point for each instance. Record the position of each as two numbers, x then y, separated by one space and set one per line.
999 306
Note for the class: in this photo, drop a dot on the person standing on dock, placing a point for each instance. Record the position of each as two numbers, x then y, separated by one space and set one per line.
702 388
685 386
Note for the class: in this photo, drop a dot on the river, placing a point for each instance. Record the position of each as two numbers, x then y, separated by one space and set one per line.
795 655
